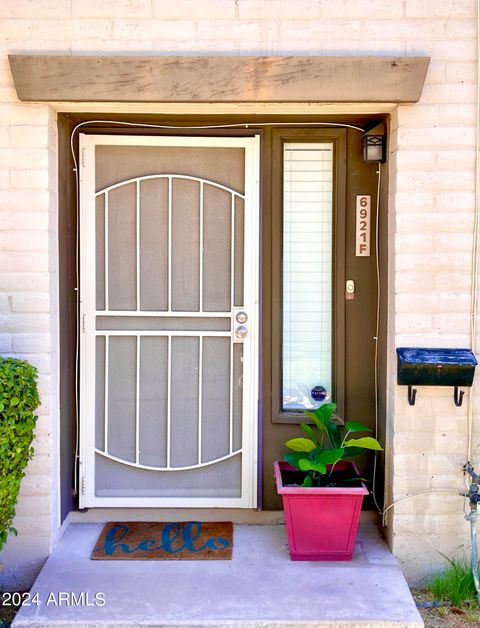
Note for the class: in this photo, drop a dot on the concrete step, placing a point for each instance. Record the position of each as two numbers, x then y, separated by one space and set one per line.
259 587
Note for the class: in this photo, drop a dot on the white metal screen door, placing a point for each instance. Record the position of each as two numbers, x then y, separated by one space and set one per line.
169 321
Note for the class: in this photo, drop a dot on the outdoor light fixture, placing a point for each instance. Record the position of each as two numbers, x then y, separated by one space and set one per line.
374 147
374 143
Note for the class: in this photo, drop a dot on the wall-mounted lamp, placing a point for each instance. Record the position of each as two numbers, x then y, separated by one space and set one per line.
374 147
374 143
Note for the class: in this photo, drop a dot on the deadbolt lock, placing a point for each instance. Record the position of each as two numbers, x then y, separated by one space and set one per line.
242 317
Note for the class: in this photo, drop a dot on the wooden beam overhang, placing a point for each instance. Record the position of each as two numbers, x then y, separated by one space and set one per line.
229 79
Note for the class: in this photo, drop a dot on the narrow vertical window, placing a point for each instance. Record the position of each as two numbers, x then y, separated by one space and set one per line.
307 272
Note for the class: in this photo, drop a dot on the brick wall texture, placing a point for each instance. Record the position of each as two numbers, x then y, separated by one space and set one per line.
431 214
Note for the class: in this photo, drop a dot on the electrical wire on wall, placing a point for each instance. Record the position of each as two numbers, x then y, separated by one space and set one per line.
244 125
383 512
168 127
377 330
476 244
473 312
473 478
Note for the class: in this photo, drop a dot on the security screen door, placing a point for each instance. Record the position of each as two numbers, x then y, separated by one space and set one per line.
169 243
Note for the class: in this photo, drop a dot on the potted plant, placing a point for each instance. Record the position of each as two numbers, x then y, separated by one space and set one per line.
320 486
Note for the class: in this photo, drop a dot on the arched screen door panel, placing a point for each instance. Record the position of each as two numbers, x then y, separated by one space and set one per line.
169 243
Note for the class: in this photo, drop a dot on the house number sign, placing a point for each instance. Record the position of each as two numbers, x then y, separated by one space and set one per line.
362 242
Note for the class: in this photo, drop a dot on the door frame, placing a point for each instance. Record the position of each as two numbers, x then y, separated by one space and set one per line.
249 481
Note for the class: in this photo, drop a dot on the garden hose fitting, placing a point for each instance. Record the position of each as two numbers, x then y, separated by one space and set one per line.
474 497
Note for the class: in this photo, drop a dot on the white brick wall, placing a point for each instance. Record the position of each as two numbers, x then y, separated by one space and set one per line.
429 441
432 199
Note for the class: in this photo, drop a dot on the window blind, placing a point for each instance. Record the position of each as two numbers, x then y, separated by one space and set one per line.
307 272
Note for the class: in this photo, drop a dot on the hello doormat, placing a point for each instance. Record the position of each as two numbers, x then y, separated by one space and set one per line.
139 540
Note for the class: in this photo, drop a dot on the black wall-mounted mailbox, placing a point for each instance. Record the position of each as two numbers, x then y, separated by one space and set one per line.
435 367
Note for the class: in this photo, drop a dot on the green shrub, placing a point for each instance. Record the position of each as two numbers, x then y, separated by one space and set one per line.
18 401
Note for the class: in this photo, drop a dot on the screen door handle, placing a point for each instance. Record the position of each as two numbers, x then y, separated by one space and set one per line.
241 332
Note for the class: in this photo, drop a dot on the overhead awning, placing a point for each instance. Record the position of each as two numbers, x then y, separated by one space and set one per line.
233 79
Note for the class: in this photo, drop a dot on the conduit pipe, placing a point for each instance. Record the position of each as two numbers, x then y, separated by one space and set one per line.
475 251
474 497
473 493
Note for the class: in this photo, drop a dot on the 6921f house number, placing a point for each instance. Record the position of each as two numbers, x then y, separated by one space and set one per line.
362 242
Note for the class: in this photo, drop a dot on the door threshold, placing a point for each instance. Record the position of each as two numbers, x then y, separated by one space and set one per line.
236 515
239 516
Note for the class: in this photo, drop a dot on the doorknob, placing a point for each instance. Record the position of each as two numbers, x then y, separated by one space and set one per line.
241 331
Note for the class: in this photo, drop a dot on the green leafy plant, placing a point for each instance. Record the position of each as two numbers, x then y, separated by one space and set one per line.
18 400
326 443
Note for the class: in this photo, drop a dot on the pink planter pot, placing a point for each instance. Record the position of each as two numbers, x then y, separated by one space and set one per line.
321 523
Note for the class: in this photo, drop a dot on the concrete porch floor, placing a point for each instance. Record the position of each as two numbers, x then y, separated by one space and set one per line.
260 587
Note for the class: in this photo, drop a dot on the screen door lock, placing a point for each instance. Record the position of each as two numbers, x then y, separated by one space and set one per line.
241 317
241 329
349 289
